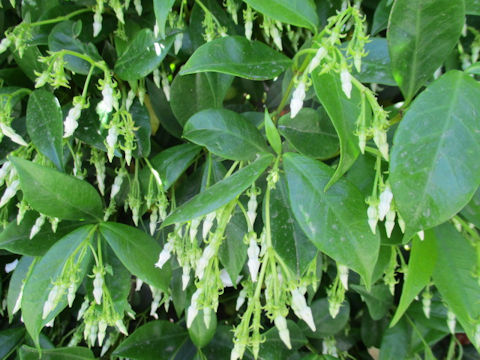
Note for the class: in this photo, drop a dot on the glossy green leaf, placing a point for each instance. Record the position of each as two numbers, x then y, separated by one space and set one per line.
453 277
335 220
225 133
394 344
434 170
138 252
55 194
16 281
311 133
140 58
220 193
162 8
344 113
45 125
288 239
274 349
235 55
143 130
272 134
29 62
199 333
66 353
64 36
118 282
301 13
472 7
10 339
193 93
378 299
16 237
423 258
171 163
156 340
473 69
47 270
380 17
420 36
324 323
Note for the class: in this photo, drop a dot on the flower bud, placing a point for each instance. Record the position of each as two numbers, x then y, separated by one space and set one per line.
390 222
121 327
11 266
177 44
253 252
319 55
4 44
102 329
71 121
37 226
10 133
193 308
281 324
346 80
300 308
98 287
241 299
97 23
451 321
298 96
164 255
372 215
207 224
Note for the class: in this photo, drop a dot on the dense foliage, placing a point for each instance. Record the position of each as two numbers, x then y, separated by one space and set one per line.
268 179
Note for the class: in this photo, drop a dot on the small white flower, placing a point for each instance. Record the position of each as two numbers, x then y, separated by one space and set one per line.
386 198
111 141
37 226
121 327
83 308
97 23
193 308
277 40
401 223
102 329
248 29
106 105
177 45
164 255
11 266
117 184
71 294
194 224
207 224
18 302
319 55
10 192
281 324
252 208
4 44
4 171
237 351
372 215
10 133
153 221
52 300
130 98
298 96
204 260
138 284
421 235
98 287
451 322
390 222
300 308
225 277
346 80
185 277
343 275
42 79
138 6
71 121
241 299
253 252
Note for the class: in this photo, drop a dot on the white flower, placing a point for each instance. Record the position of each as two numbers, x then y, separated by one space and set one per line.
225 277
18 302
343 275
207 224
401 223
386 198
138 6
177 45
4 171
153 221
194 224
346 80
71 121
121 327
42 79
298 96
253 261
204 260
241 299
156 297
71 293
102 328
111 141
334 308
281 324
138 284
164 255
117 184
252 208
11 266
106 105
52 300
277 40
4 44
37 226
380 139
97 23
98 287
130 98
10 133
390 222
372 215
451 321
421 235
10 192
237 351
300 308
193 308
82 309
185 277
319 55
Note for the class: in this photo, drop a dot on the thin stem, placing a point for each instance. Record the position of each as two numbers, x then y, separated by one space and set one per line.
206 10
60 18
87 82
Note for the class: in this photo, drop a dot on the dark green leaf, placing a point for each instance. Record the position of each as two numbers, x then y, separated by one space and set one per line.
395 342
64 36
162 8
140 58
288 239
199 333
378 299
10 339
324 323
220 193
47 270
336 220
272 134
138 252
66 353
380 17
453 277
301 13
344 113
45 125
156 340
237 56
29 62
55 194
143 129
192 93
434 170
311 132
423 258
420 36
225 133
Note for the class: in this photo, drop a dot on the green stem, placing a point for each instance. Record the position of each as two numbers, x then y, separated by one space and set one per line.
87 82
60 18
206 10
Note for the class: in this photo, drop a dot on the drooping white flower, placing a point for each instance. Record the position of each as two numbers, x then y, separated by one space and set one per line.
401 223
451 321
97 23
130 98
18 302
277 40
380 139
71 293
227 280
11 266
4 44
37 226
194 224
372 215
343 275
106 105
252 207
117 184
426 304
153 220
319 55
301 309
71 121
390 222
111 141
138 284
177 44
193 308
98 287
298 96
52 300
207 224
241 299
164 255
10 133
346 80
4 171
386 198
83 308
185 277
121 327
237 351
204 260
253 263
281 324
102 329
10 192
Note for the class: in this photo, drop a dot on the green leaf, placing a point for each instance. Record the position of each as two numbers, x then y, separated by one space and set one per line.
199 333
140 58
420 36
288 239
64 36
220 193
471 211
423 258
395 342
311 133
274 348
336 220
10 339
16 281
66 353
344 113
237 56
453 277
301 13
225 133
472 7
272 134
47 270
192 93
434 175
55 194
162 8
156 340
45 125
379 299
138 252
16 237
171 163
380 17
29 62
324 323
143 129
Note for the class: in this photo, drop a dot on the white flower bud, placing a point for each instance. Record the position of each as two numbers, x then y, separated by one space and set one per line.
121 327
281 324
106 105
97 23
4 44
10 133
346 80
82 309
225 277
401 223
71 121
194 224
185 277
241 299
98 287
334 308
298 96
166 86
385 200
451 322
207 224
138 6
319 55
153 221
9 193
372 217
343 275
300 308
37 226
42 79
72 289
237 351
380 139
204 260
52 300
102 329
252 208
117 184
253 261
390 222
138 284
130 98
177 45
421 235
193 308
277 40
111 141
426 303
18 302
156 78
4 171
11 266
164 255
